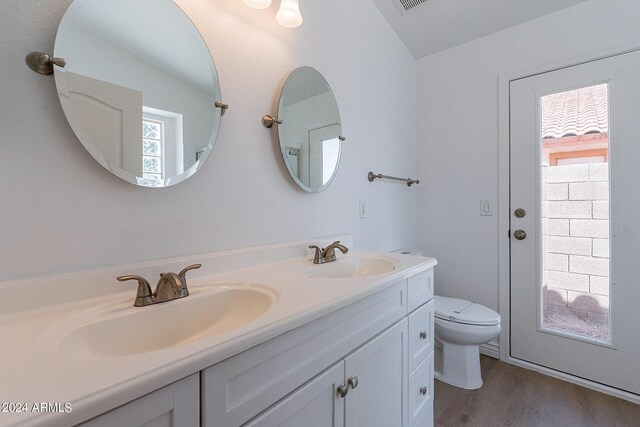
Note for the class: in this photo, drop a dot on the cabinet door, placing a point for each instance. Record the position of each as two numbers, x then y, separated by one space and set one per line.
381 369
176 405
316 403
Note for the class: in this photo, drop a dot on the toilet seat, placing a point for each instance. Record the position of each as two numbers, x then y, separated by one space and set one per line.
464 312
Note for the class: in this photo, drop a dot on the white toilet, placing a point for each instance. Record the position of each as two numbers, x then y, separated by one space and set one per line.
460 327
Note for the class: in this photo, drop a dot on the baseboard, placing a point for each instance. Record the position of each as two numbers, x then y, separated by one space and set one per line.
611 391
491 349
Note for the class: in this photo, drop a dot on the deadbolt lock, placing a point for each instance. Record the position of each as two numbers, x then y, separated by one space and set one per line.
520 213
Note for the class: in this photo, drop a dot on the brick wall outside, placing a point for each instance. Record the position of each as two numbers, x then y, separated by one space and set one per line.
575 239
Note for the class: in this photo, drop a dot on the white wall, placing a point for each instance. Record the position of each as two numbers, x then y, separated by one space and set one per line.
458 132
60 211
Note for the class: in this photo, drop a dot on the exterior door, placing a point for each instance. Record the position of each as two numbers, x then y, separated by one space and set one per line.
575 239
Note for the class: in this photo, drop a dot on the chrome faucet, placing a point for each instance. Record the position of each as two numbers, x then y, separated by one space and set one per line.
327 254
170 286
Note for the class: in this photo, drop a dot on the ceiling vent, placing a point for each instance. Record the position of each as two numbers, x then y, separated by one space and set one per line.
407 5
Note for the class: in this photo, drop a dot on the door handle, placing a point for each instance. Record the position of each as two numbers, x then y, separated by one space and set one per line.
520 234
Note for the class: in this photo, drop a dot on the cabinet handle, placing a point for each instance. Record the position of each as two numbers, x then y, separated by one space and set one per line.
343 390
353 382
423 335
423 390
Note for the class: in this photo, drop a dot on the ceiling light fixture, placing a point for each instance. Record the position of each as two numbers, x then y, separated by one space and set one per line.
289 14
258 4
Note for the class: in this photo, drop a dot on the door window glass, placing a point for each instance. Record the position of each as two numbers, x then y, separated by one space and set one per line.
575 211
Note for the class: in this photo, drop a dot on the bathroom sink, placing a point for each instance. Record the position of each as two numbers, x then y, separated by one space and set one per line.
356 266
121 331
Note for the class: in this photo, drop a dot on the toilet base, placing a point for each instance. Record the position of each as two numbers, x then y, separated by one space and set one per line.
458 365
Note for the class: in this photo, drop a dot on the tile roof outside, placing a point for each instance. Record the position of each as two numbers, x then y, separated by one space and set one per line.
576 112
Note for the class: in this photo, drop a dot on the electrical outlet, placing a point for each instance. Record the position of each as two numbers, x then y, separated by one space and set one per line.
362 209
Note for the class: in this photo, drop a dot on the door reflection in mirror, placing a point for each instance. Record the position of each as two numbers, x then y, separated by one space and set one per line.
310 129
133 63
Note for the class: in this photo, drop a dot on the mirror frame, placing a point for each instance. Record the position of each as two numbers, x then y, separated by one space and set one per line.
280 139
217 111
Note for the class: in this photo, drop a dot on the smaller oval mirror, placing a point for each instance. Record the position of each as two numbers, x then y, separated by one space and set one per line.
139 88
310 132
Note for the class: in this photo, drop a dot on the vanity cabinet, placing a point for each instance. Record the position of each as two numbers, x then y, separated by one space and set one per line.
385 349
176 405
372 381
367 364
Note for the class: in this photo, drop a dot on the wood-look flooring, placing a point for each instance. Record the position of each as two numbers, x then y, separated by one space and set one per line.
518 397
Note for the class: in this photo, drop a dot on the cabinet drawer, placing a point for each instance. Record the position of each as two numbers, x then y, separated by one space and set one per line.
239 388
420 289
420 335
420 404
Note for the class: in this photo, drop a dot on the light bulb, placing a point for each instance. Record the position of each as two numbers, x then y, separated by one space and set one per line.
258 4
289 14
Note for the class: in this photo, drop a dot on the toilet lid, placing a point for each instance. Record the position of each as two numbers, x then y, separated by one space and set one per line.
463 311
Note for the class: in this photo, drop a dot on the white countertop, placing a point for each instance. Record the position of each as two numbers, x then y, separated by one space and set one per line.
34 369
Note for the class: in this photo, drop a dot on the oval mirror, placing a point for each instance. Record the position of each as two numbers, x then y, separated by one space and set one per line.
139 88
310 132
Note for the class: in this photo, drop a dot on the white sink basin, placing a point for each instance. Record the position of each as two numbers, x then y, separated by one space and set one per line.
357 266
122 331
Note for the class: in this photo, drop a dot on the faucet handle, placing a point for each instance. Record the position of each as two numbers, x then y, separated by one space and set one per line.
318 254
329 253
189 268
338 245
144 295
183 279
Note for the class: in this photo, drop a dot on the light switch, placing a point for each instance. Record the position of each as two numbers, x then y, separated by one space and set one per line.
486 207
363 209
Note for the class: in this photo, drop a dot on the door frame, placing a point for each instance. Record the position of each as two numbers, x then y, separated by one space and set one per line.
504 208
